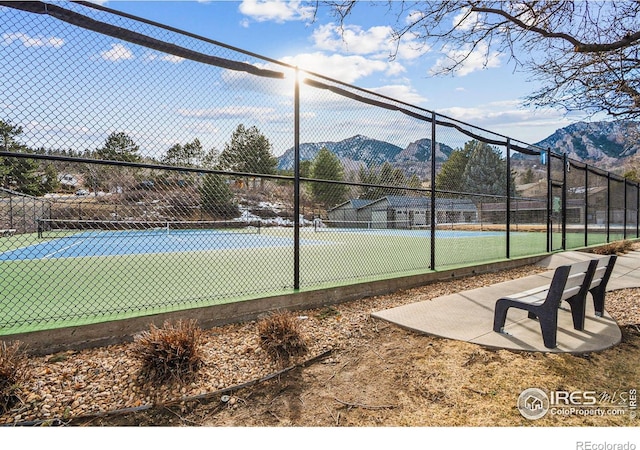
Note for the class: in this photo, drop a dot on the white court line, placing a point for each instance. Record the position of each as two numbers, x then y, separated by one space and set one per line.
64 249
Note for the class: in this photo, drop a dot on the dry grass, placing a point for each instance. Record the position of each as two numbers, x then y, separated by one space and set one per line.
13 371
615 248
170 353
280 336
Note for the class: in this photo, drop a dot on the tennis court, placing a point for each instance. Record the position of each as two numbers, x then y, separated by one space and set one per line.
87 276
92 243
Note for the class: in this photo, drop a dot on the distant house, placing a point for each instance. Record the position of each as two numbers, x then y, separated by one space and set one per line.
401 212
346 214
68 181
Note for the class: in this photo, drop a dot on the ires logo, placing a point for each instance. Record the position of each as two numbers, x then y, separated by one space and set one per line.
534 403
575 398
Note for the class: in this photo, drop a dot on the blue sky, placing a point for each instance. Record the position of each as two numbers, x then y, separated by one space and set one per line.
489 97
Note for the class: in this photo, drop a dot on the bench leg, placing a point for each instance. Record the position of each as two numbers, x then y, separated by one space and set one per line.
578 308
598 300
500 315
549 326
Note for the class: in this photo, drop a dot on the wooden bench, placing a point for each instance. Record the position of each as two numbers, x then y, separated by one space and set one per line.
8 232
570 283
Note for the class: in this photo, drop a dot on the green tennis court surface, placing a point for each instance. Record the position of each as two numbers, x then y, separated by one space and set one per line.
86 281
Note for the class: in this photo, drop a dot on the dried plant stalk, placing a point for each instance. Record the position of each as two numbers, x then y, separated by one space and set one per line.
170 353
280 336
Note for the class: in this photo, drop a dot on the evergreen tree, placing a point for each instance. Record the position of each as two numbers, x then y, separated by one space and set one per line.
384 177
19 174
486 171
249 151
50 182
216 197
450 178
211 159
173 157
189 155
119 147
305 168
327 166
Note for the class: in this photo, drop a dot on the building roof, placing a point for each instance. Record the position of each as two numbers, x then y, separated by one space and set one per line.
395 201
354 203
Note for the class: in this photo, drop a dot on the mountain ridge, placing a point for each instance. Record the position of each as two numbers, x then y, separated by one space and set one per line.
605 144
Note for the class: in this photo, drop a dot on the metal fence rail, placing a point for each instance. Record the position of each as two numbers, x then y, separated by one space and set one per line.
148 170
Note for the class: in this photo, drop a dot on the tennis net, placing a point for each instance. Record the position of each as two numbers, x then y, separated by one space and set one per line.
56 228
320 225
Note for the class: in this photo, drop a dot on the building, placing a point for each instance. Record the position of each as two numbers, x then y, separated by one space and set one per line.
401 212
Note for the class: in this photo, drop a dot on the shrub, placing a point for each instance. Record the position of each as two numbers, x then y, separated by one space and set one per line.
614 248
13 371
280 336
170 353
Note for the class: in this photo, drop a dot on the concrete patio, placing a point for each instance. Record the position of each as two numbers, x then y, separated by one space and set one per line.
468 316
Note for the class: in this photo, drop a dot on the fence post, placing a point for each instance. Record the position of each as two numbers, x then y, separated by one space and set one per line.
296 184
508 235
608 207
638 210
565 169
433 191
549 201
586 205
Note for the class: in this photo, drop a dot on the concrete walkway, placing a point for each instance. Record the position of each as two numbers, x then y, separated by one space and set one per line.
468 316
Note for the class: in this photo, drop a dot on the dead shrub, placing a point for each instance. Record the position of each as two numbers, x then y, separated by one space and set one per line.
13 371
280 336
171 353
614 248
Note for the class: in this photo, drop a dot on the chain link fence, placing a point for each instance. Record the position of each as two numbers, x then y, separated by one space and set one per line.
148 170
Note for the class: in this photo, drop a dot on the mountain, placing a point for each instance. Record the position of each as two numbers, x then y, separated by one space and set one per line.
361 150
604 144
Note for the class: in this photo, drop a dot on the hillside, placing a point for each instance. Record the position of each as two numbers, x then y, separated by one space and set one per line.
361 150
605 144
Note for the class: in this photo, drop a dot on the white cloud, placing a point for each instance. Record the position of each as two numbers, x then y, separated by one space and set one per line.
352 39
204 128
163 57
509 118
276 10
376 41
229 112
347 69
401 92
466 20
117 52
29 41
472 59
413 17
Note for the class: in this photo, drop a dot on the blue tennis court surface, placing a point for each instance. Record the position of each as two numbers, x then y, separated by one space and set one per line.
117 243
